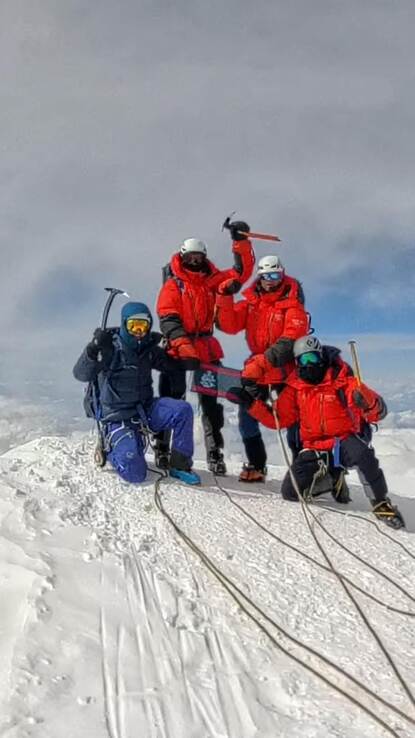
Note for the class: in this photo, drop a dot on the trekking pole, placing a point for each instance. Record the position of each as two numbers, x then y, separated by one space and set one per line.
355 360
100 456
250 234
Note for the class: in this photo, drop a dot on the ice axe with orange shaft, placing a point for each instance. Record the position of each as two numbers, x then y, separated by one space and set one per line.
250 234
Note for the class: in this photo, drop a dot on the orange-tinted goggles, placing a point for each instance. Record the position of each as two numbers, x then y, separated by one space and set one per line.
137 326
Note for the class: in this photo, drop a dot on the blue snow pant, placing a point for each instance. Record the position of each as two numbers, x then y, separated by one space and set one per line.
126 445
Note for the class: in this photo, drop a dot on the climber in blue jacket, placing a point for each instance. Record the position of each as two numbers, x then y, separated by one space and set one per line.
120 362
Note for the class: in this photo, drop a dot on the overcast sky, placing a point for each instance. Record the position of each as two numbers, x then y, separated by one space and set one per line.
128 126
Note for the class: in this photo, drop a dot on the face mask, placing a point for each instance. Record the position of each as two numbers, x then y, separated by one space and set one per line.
312 373
194 267
194 262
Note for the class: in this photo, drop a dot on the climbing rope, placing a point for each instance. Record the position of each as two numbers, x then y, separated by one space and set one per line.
306 512
307 557
244 602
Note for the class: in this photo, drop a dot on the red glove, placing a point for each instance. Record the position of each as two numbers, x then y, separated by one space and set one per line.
182 348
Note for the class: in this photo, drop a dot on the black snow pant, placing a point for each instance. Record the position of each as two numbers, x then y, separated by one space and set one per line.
173 384
354 452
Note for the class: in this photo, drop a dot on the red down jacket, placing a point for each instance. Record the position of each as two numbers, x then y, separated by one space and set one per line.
266 317
186 302
326 411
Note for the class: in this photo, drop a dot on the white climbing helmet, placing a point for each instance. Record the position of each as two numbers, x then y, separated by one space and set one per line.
269 264
305 344
193 245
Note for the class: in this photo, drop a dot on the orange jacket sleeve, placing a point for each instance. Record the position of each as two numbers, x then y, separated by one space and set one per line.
296 323
244 261
376 407
256 367
230 315
169 301
285 406
170 311
263 413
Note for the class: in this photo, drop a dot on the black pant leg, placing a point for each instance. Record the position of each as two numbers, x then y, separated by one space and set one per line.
212 422
304 468
171 384
255 452
355 452
293 439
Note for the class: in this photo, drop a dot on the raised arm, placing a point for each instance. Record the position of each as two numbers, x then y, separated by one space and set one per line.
230 316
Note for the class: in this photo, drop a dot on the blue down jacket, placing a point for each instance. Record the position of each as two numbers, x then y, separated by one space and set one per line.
124 380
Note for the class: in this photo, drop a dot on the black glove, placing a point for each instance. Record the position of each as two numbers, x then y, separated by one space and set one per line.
235 227
281 352
382 409
239 395
230 287
360 400
253 390
101 342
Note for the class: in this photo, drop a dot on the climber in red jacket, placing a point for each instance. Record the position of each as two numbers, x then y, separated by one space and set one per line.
186 309
272 314
332 408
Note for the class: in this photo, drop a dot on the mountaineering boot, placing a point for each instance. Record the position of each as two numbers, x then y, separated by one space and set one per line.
340 490
181 468
389 513
216 463
162 449
255 470
188 477
250 474
161 458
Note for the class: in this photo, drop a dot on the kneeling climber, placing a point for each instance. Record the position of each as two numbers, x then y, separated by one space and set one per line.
333 410
120 361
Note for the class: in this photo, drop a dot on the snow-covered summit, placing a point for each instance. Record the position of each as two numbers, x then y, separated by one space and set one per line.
112 624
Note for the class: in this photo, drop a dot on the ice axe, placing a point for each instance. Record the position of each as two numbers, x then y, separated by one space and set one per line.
355 360
250 234
113 292
100 455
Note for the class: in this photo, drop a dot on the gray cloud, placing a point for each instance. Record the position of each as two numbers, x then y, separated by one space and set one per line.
127 127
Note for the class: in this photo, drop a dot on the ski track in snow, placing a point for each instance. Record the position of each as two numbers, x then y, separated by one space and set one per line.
127 633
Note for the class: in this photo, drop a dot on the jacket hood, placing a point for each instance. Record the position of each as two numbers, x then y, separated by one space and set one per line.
331 355
127 311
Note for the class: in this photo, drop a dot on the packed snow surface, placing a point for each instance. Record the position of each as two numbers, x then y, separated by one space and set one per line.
112 627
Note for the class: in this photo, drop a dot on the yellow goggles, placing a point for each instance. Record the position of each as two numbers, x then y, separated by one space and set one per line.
137 326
